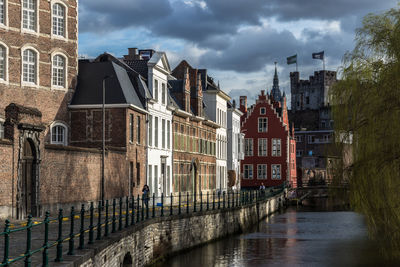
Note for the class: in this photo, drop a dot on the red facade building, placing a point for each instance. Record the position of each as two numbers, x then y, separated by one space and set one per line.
270 148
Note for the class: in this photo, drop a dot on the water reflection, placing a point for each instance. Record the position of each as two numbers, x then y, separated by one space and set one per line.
294 238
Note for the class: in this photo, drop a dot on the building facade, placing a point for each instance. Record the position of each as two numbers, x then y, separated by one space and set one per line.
267 143
216 109
194 152
38 69
235 146
154 67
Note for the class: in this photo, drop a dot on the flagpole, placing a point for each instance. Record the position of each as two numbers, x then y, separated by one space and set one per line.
323 63
296 67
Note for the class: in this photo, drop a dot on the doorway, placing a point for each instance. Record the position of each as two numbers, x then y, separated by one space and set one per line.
28 180
163 177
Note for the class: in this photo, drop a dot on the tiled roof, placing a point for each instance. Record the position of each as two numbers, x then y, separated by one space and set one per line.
139 66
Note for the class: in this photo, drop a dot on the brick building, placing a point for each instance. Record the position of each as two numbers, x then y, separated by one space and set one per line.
125 117
38 68
194 139
268 143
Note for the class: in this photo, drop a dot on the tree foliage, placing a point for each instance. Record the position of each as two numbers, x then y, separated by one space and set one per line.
366 104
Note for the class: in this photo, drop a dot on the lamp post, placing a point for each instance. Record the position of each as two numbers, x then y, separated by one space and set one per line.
103 109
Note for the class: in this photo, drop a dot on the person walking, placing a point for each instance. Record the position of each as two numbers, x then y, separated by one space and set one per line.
146 194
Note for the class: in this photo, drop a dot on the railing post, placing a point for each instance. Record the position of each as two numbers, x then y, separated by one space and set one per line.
187 202
229 205
201 201
91 224
7 243
106 219
194 202
147 205
213 200
138 207
208 204
162 204
82 230
133 210
219 199
28 260
223 199
71 233
127 212
120 214
171 206
114 218
99 221
154 206
179 204
45 257
59 239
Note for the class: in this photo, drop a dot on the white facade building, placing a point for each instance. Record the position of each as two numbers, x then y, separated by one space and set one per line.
235 143
216 109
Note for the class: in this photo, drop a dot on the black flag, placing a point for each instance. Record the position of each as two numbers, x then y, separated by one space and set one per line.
319 55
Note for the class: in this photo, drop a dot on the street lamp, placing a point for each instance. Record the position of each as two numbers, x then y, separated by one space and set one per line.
103 138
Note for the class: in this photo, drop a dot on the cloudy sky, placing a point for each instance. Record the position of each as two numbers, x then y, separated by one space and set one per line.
237 40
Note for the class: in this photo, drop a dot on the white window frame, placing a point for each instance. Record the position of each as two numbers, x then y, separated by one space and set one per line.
36 30
52 127
266 128
309 139
264 151
249 140
275 147
276 177
155 90
260 177
37 82
6 59
150 139
4 24
299 138
299 153
163 94
65 71
263 111
65 36
250 168
1 128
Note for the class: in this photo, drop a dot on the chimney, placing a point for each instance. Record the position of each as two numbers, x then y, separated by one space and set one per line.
262 92
234 103
243 104
132 51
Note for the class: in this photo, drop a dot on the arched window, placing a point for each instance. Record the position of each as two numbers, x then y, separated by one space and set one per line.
2 62
29 70
58 134
59 20
59 71
29 15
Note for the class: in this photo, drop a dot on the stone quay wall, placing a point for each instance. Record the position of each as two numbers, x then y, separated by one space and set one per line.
143 244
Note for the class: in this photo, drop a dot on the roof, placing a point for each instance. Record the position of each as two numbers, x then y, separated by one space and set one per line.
120 87
139 65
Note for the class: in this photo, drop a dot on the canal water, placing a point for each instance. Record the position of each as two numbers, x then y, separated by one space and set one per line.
292 238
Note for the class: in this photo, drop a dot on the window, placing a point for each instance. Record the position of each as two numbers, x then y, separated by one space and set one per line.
1 129
2 62
137 174
168 135
150 130
163 93
138 129
262 147
248 147
163 133
131 179
276 147
58 20
155 90
155 178
2 12
247 171
311 139
150 178
262 125
29 15
29 70
156 131
262 111
59 71
262 171
299 153
276 171
58 134
299 138
131 128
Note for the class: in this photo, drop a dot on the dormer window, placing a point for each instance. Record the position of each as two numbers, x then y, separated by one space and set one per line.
155 90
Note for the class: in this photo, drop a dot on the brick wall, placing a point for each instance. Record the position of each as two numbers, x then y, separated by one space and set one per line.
6 174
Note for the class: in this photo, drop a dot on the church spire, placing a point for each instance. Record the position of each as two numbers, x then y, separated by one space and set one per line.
275 92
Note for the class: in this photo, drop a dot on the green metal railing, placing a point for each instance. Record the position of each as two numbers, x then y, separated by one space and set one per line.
125 212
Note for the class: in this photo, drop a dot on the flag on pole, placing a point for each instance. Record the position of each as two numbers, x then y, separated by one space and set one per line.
319 55
292 60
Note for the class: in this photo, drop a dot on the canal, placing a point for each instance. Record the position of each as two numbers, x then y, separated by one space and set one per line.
292 238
